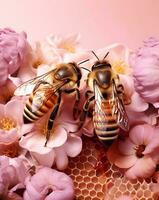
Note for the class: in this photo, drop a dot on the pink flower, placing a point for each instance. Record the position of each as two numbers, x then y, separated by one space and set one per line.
13 51
138 153
66 44
61 144
13 172
49 184
145 64
54 48
12 127
118 57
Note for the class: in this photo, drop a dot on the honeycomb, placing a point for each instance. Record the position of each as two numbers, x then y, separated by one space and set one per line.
94 177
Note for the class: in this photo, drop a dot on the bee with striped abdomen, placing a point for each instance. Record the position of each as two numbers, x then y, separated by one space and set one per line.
45 93
108 95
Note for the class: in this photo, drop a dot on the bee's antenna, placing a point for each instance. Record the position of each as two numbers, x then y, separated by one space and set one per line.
85 69
83 61
95 55
106 55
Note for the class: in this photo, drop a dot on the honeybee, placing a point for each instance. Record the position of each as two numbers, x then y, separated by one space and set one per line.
45 93
108 95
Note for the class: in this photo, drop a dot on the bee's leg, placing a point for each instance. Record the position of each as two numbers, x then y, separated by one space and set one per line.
51 119
88 93
121 94
75 107
85 112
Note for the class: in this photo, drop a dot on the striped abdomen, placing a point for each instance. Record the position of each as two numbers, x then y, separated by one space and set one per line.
32 110
105 123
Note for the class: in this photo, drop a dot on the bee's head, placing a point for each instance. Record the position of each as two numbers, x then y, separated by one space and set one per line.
101 64
103 77
69 72
102 71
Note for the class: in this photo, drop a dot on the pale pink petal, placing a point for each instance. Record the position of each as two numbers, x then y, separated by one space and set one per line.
61 158
45 159
152 145
8 136
117 51
58 137
16 81
126 147
14 110
14 196
141 134
73 145
26 128
26 73
127 82
46 178
123 161
154 155
143 168
136 118
31 193
137 103
34 142
76 57
42 69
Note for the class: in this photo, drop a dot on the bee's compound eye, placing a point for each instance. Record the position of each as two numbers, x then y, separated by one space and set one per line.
63 73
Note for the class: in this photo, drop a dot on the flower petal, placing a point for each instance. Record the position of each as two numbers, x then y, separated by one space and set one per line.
34 142
73 145
126 147
123 161
137 103
141 134
26 128
45 159
58 137
61 158
8 136
143 168
14 109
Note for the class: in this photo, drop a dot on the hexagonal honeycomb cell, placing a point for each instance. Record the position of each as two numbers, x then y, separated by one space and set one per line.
94 176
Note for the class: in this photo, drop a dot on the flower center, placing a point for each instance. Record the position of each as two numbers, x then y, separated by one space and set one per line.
68 48
37 63
119 67
139 150
7 124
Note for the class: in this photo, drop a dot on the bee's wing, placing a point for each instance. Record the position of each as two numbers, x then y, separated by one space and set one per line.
98 100
27 87
43 93
118 109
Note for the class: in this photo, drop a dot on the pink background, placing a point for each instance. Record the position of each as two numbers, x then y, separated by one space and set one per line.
100 22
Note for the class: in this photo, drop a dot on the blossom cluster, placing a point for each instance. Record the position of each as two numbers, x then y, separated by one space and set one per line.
24 155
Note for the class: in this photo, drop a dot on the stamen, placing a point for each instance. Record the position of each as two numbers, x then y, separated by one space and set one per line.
7 124
139 150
